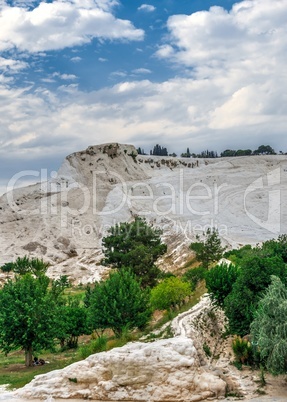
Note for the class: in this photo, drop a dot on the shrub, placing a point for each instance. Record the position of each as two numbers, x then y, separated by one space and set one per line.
242 349
169 292
95 346
194 276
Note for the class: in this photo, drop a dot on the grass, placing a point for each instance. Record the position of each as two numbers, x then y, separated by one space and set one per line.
14 372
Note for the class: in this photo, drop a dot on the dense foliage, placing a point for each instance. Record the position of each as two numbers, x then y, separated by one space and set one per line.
170 292
255 276
194 276
261 150
24 265
136 245
73 322
28 315
209 249
119 303
219 282
269 328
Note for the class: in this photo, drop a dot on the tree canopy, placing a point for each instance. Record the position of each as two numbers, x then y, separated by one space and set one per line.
118 303
24 265
169 292
254 277
159 150
73 322
269 328
28 315
209 249
136 245
219 282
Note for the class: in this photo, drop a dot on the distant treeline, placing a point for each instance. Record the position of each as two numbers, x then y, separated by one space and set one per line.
262 150
158 150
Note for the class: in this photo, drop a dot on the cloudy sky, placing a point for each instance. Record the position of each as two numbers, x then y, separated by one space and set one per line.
181 73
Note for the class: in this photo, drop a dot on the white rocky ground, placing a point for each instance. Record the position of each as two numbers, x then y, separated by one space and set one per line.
63 219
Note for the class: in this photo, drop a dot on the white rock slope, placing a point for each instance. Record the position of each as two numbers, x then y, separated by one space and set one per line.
64 218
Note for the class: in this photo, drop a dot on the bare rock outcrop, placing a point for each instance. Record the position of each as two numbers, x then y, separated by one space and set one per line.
164 370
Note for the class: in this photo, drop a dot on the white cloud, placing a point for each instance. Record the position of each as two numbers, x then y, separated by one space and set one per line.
233 95
12 65
178 113
48 80
141 71
102 59
147 7
243 53
214 37
61 24
164 51
121 74
76 59
68 77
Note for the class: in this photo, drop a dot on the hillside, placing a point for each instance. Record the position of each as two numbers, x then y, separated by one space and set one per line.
64 218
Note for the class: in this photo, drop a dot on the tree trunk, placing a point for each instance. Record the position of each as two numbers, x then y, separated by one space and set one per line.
29 357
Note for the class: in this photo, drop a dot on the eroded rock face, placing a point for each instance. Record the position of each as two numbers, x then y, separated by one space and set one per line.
164 370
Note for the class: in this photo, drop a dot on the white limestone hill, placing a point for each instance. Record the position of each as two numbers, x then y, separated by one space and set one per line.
63 219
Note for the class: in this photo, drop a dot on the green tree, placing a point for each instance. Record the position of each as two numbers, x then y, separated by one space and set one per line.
119 303
73 322
28 315
169 292
236 255
228 153
243 152
219 282
269 328
254 277
136 245
264 149
276 247
208 250
24 265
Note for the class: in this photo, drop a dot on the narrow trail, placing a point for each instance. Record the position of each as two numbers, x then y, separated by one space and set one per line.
197 324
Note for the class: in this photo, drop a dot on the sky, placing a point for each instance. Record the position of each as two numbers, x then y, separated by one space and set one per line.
203 74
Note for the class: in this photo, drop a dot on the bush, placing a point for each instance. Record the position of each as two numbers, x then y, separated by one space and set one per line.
194 276
242 349
95 346
169 292
269 328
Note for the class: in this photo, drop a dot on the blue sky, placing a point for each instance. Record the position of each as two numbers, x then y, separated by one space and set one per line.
181 73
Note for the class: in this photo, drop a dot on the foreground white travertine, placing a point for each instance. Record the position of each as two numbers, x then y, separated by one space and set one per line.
163 370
